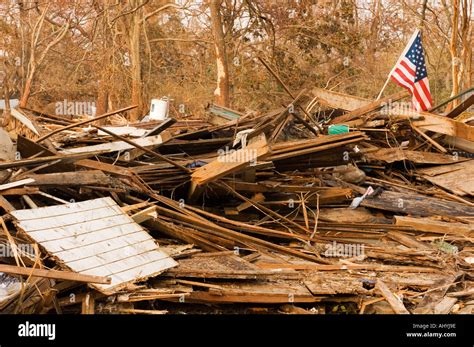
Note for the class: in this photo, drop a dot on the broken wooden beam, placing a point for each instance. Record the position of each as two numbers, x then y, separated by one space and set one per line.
54 274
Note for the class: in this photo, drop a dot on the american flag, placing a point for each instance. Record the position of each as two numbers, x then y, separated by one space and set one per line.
410 73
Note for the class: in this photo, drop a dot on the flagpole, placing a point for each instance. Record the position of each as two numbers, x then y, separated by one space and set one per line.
383 88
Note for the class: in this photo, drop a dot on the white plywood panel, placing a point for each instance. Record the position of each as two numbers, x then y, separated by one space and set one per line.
87 239
111 256
47 223
125 263
99 247
95 237
76 230
64 209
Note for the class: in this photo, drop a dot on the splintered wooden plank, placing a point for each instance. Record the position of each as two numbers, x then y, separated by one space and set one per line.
390 155
16 184
116 146
222 266
444 125
54 274
445 305
372 106
457 142
95 238
392 299
232 162
42 160
457 178
24 119
417 204
434 226
334 283
339 100
78 178
97 165
407 240
267 292
463 106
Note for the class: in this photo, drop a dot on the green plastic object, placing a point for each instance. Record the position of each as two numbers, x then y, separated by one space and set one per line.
338 129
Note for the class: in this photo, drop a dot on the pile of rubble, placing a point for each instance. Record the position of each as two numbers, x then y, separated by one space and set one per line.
331 204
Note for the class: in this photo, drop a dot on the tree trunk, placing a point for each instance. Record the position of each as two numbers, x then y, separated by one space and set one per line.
136 67
27 89
104 74
221 92
6 93
454 52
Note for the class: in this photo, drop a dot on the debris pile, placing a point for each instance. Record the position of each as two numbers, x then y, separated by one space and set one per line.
330 204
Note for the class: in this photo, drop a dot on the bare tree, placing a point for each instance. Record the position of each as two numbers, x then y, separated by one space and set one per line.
221 92
36 57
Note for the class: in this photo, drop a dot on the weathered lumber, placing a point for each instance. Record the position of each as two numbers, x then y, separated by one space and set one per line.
138 145
232 162
109 168
417 205
390 155
457 178
54 274
337 100
434 226
463 106
407 240
444 125
374 105
77 178
392 299
74 125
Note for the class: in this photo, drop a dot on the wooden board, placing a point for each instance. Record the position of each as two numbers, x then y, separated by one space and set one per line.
395 302
339 100
236 160
417 205
224 266
434 226
390 155
335 283
77 178
444 125
372 106
457 178
25 120
248 292
95 237
109 168
115 146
